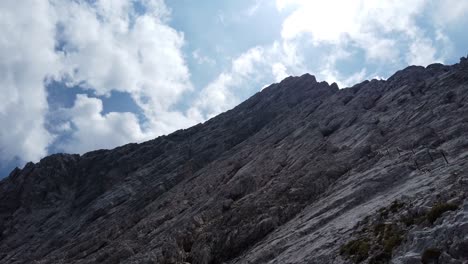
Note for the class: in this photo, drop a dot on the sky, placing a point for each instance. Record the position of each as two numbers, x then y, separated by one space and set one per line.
80 75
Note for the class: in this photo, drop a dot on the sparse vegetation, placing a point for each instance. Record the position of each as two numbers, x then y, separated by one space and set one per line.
412 219
392 241
438 209
379 229
379 239
357 250
408 220
396 206
383 213
388 236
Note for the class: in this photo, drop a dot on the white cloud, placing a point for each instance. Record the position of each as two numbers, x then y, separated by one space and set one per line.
104 45
422 53
244 64
279 71
322 19
368 24
328 71
26 58
381 50
129 52
449 12
223 92
110 48
94 130
216 97
201 59
255 67
330 75
385 32
220 95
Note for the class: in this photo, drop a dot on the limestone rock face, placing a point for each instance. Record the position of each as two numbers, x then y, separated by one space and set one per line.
301 172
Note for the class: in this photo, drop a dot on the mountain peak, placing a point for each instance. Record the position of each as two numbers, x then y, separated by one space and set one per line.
301 172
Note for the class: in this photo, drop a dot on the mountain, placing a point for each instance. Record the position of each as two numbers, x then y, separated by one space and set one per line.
302 172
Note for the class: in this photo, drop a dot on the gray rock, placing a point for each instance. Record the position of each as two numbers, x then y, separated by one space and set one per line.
291 175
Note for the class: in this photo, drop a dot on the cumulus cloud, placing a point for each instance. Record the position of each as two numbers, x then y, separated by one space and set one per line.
385 32
369 33
422 52
220 94
27 58
95 130
248 72
110 47
279 71
126 51
449 12
367 24
223 92
102 46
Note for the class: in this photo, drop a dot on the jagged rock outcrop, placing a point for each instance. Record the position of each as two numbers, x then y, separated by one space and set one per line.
301 172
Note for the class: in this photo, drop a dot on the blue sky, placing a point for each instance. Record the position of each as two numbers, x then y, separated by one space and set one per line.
83 75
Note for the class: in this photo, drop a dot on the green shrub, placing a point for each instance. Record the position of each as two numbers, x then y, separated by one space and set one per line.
396 206
390 236
438 209
383 213
392 241
379 229
357 250
407 220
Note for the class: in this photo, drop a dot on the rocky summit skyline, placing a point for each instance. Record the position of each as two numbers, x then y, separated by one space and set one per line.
233 132
81 75
301 172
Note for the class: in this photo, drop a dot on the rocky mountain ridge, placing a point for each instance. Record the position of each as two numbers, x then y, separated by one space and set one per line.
302 172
